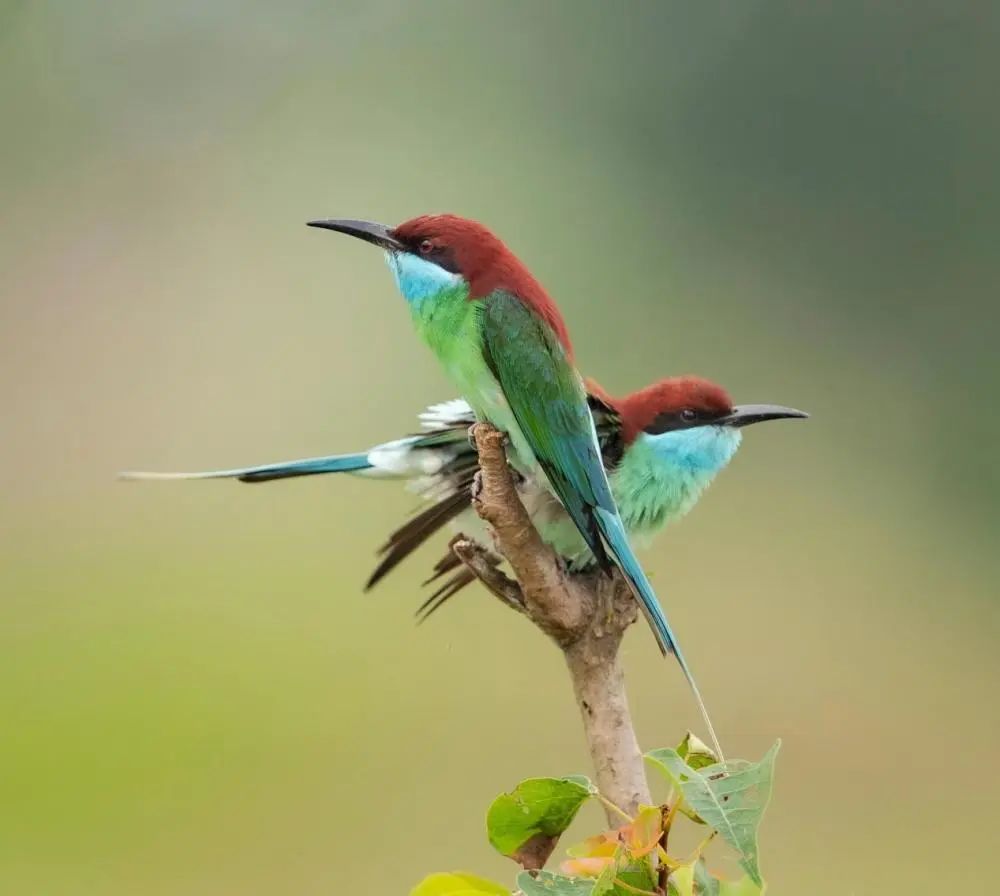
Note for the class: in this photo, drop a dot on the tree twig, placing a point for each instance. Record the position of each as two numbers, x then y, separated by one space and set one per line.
586 614
485 564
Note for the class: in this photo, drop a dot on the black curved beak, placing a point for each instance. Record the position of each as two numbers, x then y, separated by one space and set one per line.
369 231
745 414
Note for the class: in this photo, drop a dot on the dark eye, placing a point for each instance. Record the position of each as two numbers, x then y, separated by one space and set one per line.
426 247
688 414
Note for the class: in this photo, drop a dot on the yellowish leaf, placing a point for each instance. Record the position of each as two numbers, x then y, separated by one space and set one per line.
641 836
592 866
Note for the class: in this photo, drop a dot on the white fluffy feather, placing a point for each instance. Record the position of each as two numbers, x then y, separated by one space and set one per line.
400 458
447 415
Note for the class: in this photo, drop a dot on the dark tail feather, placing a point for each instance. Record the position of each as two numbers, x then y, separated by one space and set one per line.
406 539
446 564
310 466
449 589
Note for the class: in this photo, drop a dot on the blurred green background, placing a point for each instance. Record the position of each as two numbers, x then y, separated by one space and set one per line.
793 199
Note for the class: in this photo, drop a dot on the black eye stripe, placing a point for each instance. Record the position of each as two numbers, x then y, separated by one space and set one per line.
685 418
442 256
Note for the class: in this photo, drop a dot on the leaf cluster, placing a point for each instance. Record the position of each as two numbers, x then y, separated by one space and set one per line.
727 799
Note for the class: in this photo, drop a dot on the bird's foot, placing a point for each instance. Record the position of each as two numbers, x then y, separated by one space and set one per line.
471 436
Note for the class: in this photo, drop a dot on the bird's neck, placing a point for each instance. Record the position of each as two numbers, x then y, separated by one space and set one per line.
661 477
448 323
436 298
423 282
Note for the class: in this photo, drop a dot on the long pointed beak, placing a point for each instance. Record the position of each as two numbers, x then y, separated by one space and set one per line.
368 231
745 414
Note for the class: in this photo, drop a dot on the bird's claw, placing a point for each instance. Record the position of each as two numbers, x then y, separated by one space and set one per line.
471 436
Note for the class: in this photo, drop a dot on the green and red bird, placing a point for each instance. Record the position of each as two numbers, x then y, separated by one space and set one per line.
504 345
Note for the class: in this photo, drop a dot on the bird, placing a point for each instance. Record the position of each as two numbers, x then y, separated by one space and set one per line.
661 446
503 343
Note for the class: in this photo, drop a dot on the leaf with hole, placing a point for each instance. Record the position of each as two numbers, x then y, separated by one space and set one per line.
729 796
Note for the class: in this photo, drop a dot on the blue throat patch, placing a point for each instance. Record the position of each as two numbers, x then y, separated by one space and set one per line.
701 449
418 279
661 477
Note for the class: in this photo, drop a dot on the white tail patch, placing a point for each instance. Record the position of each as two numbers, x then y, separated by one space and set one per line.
400 458
447 415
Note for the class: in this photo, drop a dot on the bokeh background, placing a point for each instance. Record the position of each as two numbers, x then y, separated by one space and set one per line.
798 200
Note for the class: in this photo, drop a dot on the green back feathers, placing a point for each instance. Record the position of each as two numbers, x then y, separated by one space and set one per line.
549 403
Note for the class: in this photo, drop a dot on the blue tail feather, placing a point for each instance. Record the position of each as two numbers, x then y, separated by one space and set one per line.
310 466
342 463
613 532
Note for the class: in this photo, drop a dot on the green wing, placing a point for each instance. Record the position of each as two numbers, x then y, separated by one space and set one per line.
549 402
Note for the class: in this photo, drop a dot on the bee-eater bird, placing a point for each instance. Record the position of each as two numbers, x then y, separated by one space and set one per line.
504 344
661 447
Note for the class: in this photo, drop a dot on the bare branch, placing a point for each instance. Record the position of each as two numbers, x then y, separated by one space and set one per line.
586 614
599 685
485 564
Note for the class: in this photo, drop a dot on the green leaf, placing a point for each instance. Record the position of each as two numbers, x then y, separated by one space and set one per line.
656 758
549 884
704 883
707 884
729 796
457 883
624 875
742 887
639 875
681 882
605 883
695 752
526 823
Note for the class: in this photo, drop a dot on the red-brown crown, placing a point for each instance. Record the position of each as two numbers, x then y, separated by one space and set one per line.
639 409
481 257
